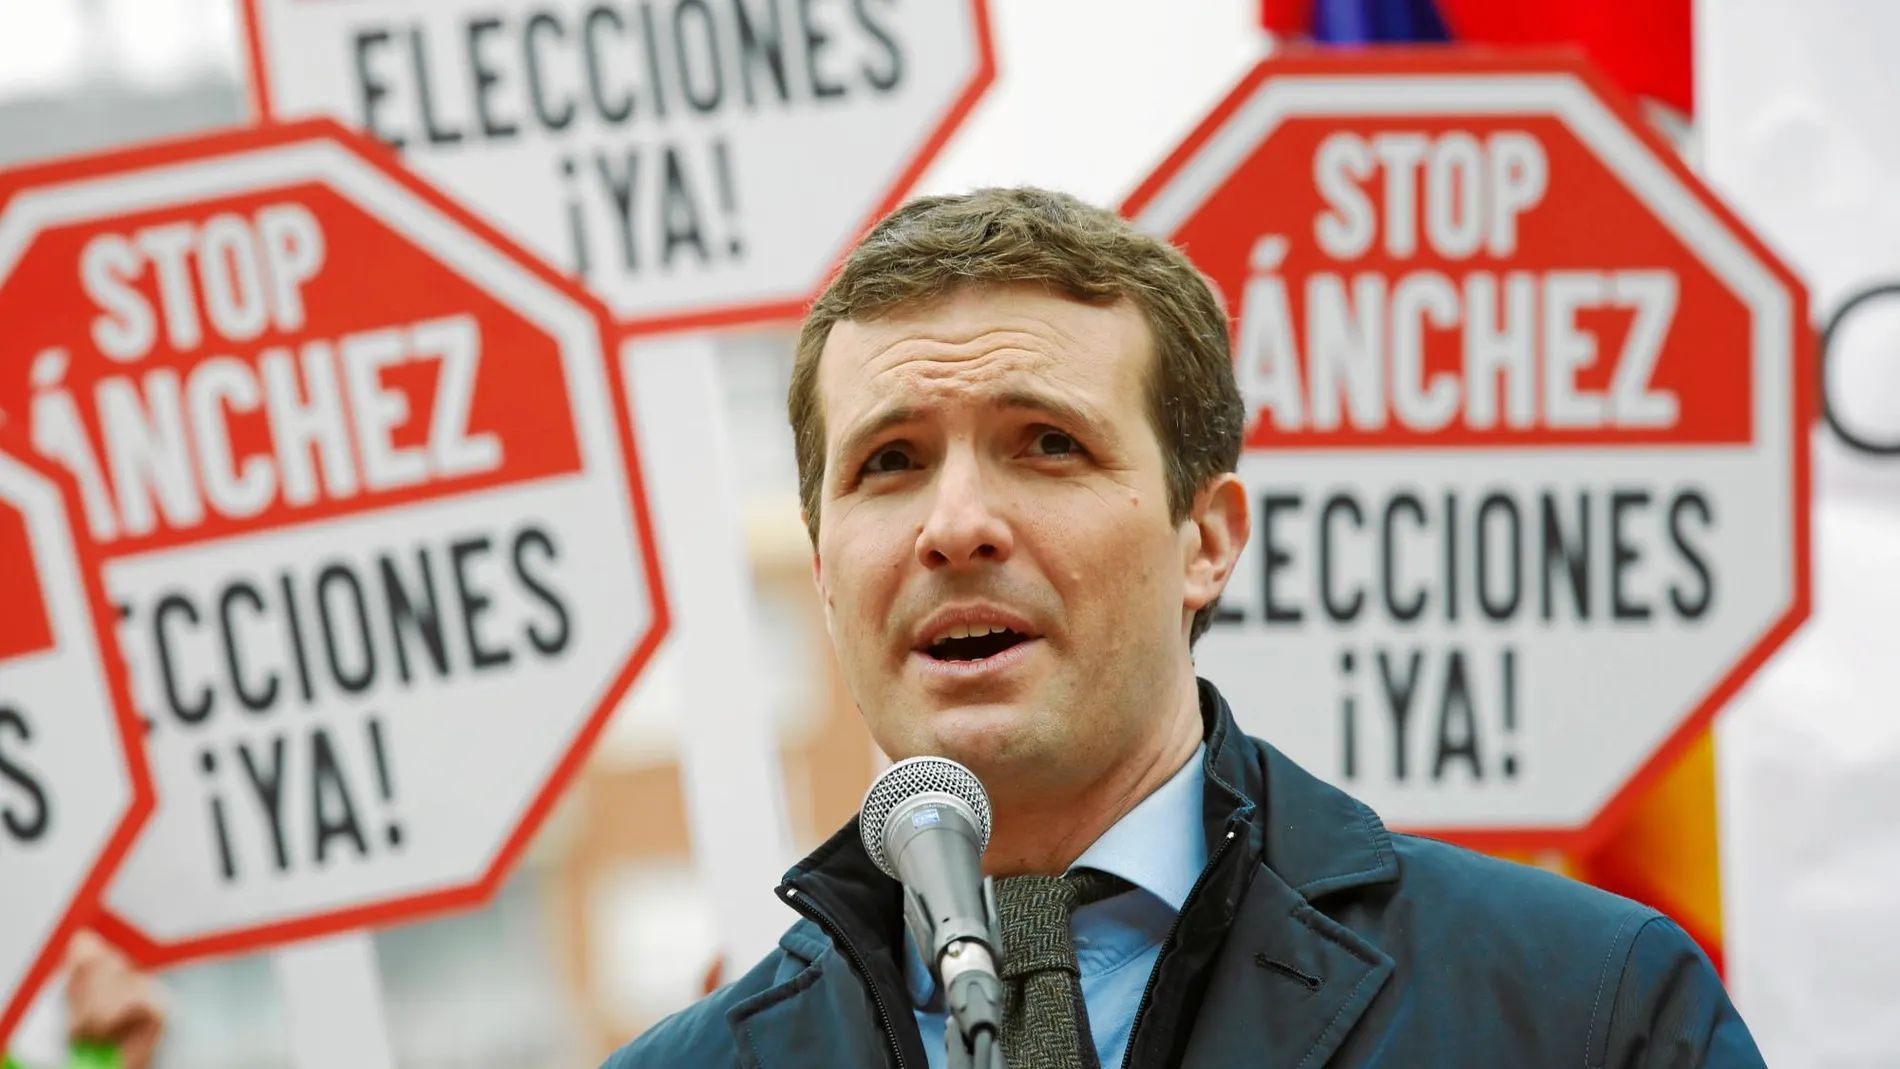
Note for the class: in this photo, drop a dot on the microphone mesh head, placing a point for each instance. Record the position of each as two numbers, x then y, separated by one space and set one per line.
907 779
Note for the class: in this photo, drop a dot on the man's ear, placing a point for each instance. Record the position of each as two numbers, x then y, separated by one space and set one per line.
1214 533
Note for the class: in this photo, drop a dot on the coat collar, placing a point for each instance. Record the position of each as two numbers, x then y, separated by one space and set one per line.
1293 841
1279 842
1319 839
839 887
1316 837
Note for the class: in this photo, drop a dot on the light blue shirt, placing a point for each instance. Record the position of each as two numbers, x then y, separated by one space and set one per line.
1161 848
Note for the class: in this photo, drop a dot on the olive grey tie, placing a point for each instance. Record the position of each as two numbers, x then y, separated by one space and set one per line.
1045 1024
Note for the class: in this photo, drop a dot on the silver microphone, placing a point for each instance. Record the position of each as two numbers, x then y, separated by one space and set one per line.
925 822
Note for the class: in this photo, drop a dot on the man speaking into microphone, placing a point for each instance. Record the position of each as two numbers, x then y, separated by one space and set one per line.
1017 425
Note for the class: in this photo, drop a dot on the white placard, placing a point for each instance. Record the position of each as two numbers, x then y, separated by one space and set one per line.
72 789
1525 437
694 162
364 483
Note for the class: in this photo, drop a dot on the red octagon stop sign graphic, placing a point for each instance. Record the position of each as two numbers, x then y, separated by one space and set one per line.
1527 434
73 788
370 511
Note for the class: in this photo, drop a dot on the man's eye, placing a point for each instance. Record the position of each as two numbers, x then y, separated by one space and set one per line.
1056 444
887 460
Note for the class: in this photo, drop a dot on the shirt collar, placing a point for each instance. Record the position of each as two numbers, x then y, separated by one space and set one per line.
1160 846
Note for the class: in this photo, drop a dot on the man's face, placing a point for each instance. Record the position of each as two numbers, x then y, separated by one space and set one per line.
1001 578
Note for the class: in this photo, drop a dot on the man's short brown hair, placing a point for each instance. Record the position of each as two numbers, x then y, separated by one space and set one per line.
932 247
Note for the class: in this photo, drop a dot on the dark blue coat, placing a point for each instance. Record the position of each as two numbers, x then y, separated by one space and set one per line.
1314 938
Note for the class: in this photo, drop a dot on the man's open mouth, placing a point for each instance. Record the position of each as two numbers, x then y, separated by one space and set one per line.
974 644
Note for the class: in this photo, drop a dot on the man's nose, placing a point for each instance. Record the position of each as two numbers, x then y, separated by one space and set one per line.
963 527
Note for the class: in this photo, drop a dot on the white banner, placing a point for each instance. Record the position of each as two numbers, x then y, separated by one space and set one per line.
1794 110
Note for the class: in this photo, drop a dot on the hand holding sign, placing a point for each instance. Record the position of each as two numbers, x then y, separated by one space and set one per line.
114 1014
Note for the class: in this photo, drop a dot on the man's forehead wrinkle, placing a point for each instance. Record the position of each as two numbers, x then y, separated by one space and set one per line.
948 355
991 371
999 385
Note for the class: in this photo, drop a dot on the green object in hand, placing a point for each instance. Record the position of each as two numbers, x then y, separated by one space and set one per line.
85 1056
94 1056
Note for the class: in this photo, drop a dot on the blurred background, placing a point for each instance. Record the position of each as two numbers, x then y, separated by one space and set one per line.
602 929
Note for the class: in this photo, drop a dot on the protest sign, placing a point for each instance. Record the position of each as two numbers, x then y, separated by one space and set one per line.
694 163
369 512
1526 437
73 786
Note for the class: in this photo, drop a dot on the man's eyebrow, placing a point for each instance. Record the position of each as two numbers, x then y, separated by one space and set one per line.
1062 410
871 427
